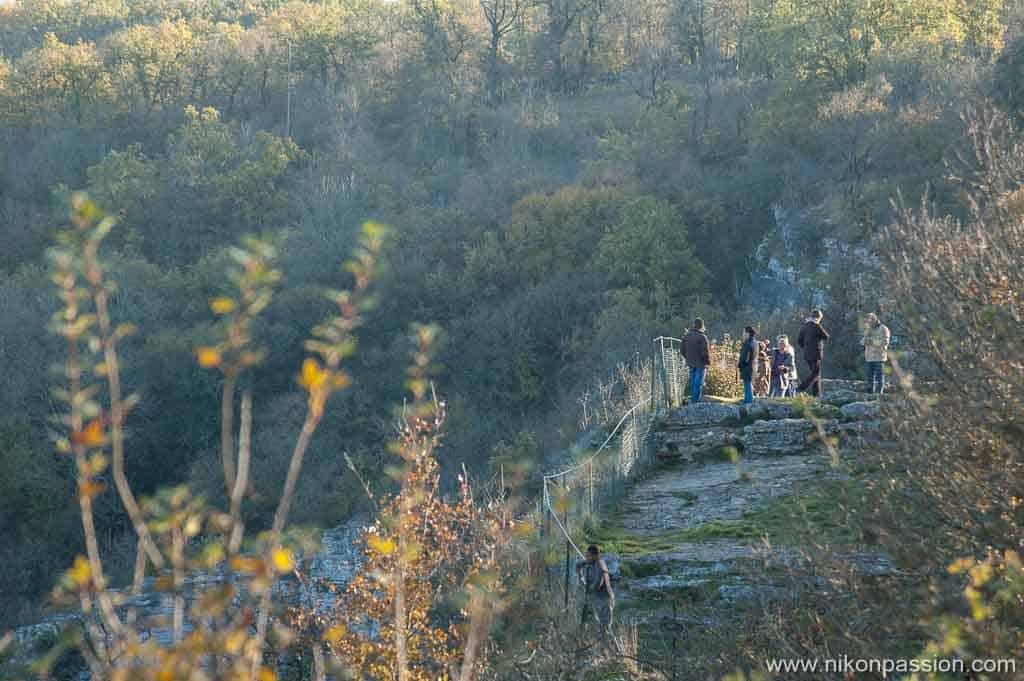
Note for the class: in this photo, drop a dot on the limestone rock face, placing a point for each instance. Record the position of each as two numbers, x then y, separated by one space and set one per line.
829 385
861 411
861 433
771 409
695 443
841 397
703 414
781 437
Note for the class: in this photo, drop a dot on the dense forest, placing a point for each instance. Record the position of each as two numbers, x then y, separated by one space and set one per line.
563 180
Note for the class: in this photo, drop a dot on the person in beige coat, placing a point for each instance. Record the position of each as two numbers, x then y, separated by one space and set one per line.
876 352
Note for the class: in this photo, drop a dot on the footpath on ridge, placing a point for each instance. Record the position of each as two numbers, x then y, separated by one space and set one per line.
741 503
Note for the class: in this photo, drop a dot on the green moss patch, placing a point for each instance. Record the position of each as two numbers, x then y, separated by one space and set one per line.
823 513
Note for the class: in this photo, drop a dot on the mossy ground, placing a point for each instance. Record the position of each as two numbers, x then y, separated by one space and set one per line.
824 512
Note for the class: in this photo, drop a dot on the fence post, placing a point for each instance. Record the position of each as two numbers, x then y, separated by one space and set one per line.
665 389
590 486
654 371
636 438
547 535
567 574
568 544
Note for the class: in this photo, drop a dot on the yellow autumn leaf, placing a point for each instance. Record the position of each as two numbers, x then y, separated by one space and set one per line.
98 463
283 560
193 525
91 435
80 573
246 564
235 640
208 357
335 634
382 546
312 377
90 488
267 675
222 305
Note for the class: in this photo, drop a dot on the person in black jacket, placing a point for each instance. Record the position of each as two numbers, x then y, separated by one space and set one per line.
697 351
748 364
812 341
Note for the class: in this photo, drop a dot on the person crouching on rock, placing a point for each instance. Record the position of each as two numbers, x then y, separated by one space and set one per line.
697 351
748 364
599 602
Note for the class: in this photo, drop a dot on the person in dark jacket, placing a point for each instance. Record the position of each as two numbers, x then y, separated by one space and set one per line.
697 351
748 364
812 341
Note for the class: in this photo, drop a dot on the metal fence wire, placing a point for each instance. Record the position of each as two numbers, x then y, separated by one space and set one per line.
574 500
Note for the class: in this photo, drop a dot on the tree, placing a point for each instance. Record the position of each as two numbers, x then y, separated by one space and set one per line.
152 65
562 17
57 78
6 96
390 621
648 249
981 26
836 40
126 179
650 47
502 18
231 184
223 64
546 234
327 41
444 39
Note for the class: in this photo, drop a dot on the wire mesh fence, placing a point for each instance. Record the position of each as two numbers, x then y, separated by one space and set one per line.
576 499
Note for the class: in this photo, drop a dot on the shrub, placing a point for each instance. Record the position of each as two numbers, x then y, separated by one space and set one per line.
722 378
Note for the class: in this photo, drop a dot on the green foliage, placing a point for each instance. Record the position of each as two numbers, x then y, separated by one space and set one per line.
560 230
838 41
231 182
327 39
60 79
648 250
34 501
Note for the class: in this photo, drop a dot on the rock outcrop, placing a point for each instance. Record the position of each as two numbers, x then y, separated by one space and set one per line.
696 443
861 410
782 436
702 414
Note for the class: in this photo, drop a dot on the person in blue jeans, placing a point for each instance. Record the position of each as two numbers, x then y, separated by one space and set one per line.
697 352
876 352
748 364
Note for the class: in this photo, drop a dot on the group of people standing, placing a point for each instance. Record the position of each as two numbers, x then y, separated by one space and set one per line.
773 372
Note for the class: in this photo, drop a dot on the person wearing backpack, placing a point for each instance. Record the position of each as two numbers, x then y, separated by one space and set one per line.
812 341
697 351
748 363
599 598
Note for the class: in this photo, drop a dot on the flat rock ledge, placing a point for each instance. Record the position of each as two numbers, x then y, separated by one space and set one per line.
783 436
